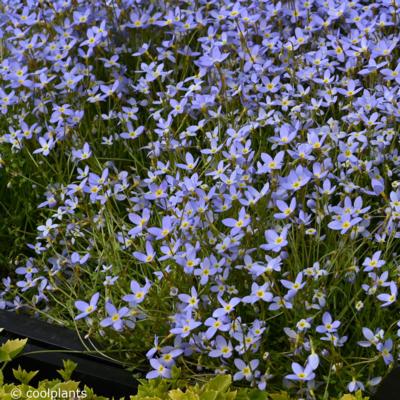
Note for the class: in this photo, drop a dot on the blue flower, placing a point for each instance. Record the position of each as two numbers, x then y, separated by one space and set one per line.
115 318
138 292
304 373
87 308
246 371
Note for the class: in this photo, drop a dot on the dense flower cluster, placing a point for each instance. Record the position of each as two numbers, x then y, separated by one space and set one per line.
221 174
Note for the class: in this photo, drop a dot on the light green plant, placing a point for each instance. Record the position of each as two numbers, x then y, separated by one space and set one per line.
218 388
45 389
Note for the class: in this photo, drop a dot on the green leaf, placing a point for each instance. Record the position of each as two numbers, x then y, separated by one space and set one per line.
90 395
230 395
24 376
209 395
152 388
10 349
220 383
70 386
256 394
280 396
144 398
176 372
177 394
243 394
69 368
357 396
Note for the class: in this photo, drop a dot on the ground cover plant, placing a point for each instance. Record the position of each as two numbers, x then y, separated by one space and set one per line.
22 388
212 185
175 388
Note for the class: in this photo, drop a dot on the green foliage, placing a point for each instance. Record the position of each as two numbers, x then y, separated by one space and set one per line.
11 349
69 368
218 388
45 389
24 376
279 396
357 396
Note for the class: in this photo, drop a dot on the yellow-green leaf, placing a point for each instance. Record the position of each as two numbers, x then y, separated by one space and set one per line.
179 395
11 349
279 396
220 383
